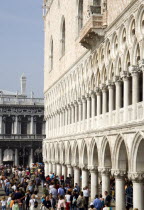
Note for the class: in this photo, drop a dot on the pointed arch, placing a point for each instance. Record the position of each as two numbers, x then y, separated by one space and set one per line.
137 160
106 153
120 154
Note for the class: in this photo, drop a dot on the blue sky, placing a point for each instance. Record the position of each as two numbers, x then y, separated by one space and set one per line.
21 45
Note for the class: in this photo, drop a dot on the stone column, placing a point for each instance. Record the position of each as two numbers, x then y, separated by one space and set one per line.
111 101
105 173
54 168
111 96
76 176
66 116
94 183
104 99
141 65
69 114
88 106
126 94
16 125
32 125
50 167
59 170
64 171
80 109
69 170
93 104
120 189
118 84
16 162
72 113
84 178
1 157
1 125
46 169
98 93
138 193
76 111
84 108
135 89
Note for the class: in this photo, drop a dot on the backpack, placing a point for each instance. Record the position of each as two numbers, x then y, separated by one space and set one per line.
35 204
78 202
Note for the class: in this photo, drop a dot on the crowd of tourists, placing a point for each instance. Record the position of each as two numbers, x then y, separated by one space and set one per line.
28 189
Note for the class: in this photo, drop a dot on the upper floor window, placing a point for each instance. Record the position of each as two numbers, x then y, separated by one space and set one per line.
63 38
80 15
51 54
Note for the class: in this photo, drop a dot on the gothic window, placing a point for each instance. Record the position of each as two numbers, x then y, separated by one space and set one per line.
63 38
80 15
51 54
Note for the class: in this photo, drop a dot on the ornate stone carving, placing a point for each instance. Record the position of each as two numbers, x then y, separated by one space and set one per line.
104 170
136 176
118 173
134 70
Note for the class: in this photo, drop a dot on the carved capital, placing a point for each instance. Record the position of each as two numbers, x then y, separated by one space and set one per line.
118 173
125 75
110 84
141 64
104 87
136 176
92 168
98 91
105 171
83 167
134 70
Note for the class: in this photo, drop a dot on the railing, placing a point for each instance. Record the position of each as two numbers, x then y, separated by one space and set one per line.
22 136
21 101
129 114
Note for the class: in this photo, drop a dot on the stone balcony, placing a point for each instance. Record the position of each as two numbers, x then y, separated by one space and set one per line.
93 31
22 137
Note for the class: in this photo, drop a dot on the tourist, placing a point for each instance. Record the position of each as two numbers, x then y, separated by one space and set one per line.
33 203
27 199
102 200
47 203
3 203
61 191
81 202
108 198
53 202
68 200
73 199
15 205
97 203
54 192
86 195
61 203
107 206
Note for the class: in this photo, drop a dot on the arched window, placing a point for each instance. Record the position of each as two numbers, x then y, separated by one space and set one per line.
63 37
51 54
80 15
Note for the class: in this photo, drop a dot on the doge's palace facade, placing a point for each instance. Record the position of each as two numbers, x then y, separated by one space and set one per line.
94 93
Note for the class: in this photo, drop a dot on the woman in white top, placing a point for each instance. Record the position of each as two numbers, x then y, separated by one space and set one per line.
32 203
67 198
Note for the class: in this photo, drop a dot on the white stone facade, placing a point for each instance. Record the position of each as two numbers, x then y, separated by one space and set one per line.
22 127
94 98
